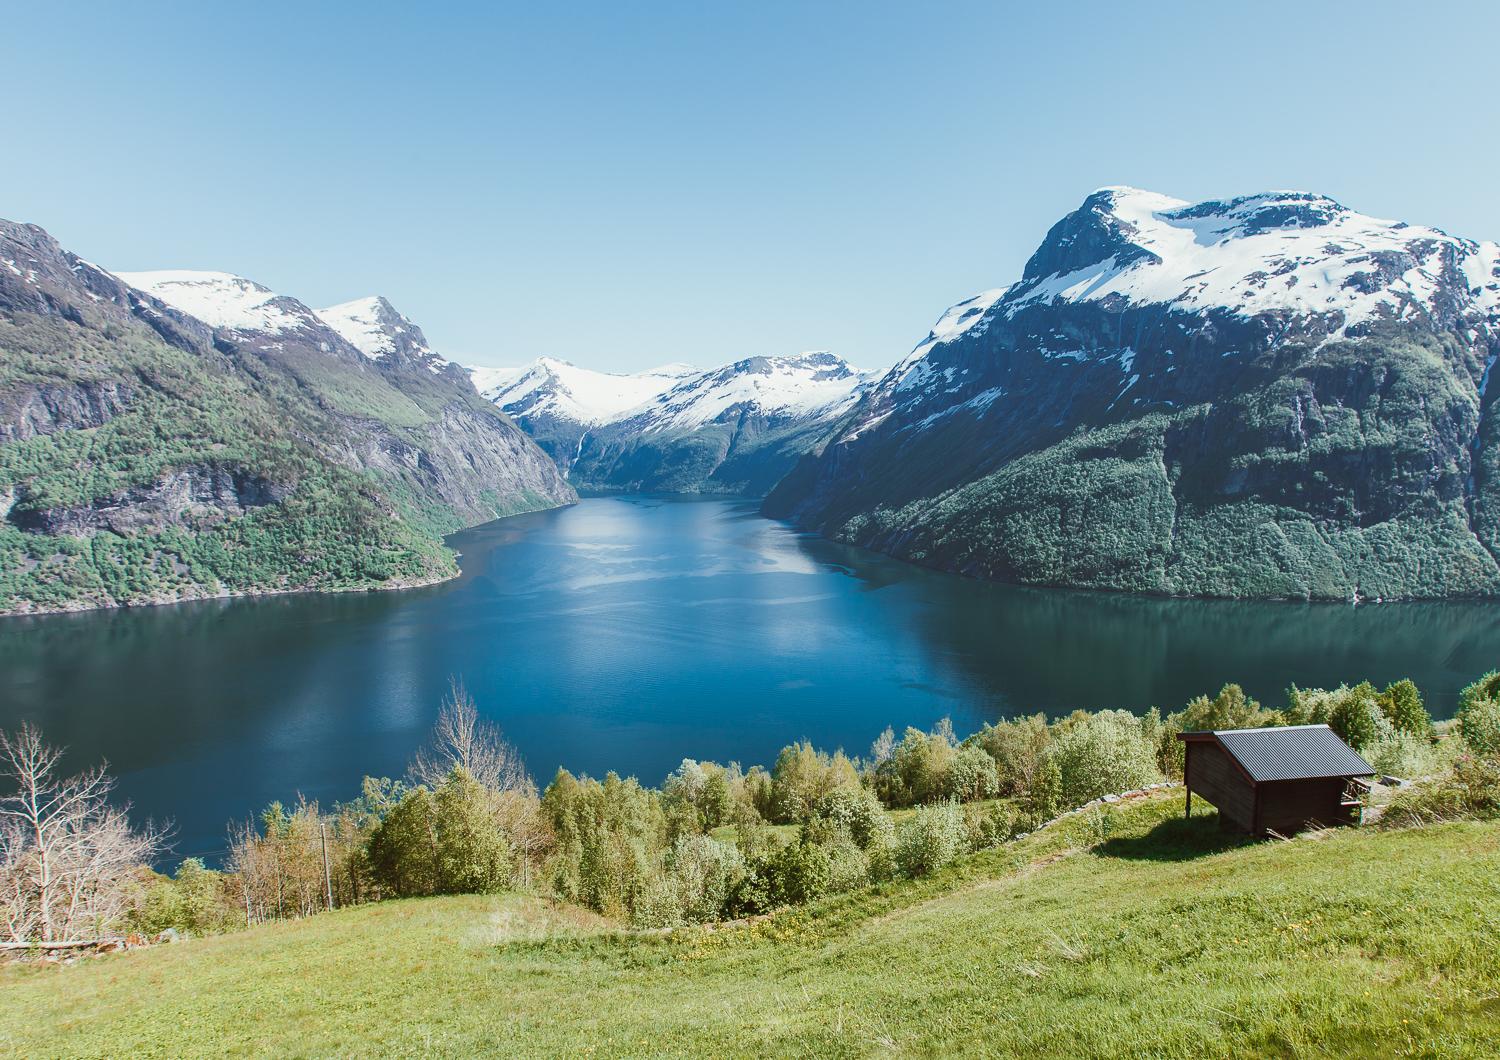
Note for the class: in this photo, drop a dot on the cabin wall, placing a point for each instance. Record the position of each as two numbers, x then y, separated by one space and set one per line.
1288 806
1212 774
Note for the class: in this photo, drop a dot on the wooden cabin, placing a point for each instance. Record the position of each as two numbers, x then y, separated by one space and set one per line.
1280 779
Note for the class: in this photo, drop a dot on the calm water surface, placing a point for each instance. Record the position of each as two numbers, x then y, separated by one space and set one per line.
628 633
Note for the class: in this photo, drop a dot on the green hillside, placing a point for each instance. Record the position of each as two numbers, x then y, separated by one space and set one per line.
1122 932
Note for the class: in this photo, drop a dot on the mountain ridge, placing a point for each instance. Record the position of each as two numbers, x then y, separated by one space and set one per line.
1268 396
148 456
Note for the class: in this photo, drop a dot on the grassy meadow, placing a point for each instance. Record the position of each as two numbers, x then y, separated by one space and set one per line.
1122 931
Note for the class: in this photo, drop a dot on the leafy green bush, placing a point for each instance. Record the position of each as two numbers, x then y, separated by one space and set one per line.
803 775
1479 714
915 770
443 842
1105 753
1018 747
1401 703
194 900
1356 714
1402 754
972 775
856 813
930 838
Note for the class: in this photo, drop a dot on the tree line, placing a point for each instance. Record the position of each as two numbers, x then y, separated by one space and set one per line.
712 842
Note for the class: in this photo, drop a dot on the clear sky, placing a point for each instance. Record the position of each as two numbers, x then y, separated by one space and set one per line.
623 185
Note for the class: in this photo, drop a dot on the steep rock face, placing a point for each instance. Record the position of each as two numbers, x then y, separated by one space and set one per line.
1269 396
736 429
147 455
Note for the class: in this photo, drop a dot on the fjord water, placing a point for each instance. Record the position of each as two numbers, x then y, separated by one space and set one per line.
629 633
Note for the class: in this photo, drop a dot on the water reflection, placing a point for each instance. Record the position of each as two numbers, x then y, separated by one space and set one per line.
628 633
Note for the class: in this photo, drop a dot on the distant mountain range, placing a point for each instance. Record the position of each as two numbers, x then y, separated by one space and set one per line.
172 435
1268 396
736 429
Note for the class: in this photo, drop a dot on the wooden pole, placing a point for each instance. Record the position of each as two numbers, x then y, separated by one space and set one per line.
327 876
1186 758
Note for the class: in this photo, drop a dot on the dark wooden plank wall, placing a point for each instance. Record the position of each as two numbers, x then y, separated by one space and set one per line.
1288 806
1212 774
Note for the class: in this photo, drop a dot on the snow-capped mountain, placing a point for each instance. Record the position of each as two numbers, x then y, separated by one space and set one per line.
557 403
1270 395
673 428
374 327
418 414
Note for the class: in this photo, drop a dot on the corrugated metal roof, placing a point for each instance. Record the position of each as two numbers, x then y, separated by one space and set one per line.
1293 752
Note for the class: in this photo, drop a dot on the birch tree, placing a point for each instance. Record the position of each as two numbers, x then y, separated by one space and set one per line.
69 861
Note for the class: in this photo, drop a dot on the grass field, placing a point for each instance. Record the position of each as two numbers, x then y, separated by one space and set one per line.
1120 933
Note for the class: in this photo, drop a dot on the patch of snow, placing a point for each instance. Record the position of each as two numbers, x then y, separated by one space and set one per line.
360 323
220 299
1277 252
566 391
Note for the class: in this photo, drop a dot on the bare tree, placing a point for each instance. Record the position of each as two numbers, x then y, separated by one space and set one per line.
68 859
462 738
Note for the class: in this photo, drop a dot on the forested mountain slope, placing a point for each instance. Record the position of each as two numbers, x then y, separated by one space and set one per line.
214 438
1270 396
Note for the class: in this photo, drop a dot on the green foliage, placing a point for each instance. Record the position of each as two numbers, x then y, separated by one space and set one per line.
1018 747
1479 714
194 901
610 838
971 776
1402 754
697 797
930 838
915 770
1401 703
1103 754
443 842
802 776
854 812
1230 709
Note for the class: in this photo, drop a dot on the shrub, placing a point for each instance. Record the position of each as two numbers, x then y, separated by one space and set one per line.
1471 789
799 872
1479 714
930 839
1017 746
1402 754
701 873
972 775
1230 709
916 769
1401 703
1105 753
1357 718
610 839
802 776
194 900
443 842
856 813
696 797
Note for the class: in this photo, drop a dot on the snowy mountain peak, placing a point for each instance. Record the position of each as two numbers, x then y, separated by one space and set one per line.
562 390
815 384
1287 252
222 299
376 329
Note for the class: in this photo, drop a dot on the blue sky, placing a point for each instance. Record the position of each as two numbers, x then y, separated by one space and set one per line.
627 185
